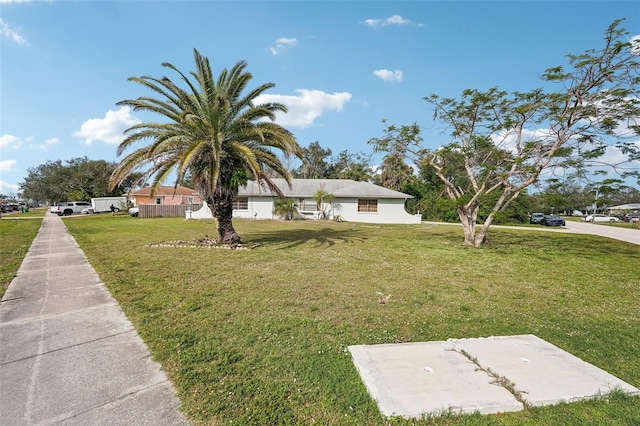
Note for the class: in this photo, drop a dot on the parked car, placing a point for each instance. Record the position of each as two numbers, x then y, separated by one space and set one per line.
600 218
69 208
628 217
133 211
553 220
56 207
536 218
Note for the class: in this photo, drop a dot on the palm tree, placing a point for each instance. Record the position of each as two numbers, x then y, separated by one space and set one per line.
321 197
213 133
285 207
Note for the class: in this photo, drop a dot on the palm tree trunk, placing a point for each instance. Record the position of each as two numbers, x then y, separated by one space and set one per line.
223 212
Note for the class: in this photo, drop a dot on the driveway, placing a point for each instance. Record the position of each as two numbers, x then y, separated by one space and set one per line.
628 235
622 234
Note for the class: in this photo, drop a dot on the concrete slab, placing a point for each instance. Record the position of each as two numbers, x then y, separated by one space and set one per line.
48 333
412 379
542 373
60 385
464 375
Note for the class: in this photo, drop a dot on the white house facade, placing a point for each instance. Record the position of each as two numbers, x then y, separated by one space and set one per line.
351 201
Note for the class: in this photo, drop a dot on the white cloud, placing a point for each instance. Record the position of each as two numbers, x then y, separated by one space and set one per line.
47 143
10 141
11 34
635 45
109 129
282 45
615 156
307 106
507 139
395 20
387 75
612 157
8 189
7 165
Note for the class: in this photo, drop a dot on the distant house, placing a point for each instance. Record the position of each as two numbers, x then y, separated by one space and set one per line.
351 201
165 195
631 207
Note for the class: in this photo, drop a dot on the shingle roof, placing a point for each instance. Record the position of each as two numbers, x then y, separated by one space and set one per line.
630 206
306 188
166 190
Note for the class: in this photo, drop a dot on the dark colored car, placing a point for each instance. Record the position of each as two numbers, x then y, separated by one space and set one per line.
628 217
552 220
536 218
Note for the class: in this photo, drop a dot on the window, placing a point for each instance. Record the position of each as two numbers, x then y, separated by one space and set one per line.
308 205
367 206
158 200
241 203
189 200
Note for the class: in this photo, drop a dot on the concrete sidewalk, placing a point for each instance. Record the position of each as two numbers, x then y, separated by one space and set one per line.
68 354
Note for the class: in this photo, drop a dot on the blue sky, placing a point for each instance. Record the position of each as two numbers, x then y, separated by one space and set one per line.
340 67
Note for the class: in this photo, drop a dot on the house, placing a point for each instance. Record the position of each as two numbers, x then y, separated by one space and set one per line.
631 207
165 195
350 200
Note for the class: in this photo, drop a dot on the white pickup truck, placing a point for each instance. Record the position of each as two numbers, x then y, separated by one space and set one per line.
69 208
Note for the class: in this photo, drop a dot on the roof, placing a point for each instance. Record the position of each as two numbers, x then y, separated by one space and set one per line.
307 188
630 206
166 190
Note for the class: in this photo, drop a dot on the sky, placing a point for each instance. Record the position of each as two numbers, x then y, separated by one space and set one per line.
341 67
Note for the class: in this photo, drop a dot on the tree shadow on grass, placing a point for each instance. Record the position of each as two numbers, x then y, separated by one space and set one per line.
550 246
290 238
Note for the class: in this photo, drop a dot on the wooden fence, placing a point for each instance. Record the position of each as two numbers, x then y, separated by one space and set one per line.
166 210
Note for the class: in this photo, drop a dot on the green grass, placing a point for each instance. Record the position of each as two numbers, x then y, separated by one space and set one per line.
260 336
16 236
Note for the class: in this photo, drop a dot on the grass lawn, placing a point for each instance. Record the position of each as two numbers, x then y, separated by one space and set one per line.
16 236
260 336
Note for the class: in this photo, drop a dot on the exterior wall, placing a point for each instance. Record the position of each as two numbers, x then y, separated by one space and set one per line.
202 212
258 208
389 211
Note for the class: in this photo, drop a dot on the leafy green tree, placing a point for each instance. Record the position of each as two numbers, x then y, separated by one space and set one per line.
567 195
314 162
394 172
77 179
496 138
417 188
212 132
349 166
41 183
610 192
